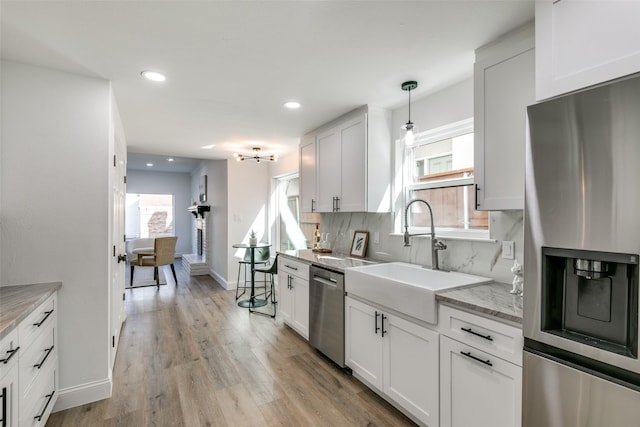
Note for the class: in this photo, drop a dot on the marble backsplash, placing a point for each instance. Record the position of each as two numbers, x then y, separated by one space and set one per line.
482 258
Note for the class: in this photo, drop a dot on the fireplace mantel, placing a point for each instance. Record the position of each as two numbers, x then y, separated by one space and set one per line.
199 210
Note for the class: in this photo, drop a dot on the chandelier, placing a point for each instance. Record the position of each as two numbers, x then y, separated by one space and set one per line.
255 156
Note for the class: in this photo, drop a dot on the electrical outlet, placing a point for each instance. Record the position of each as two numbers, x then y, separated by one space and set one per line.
508 249
376 237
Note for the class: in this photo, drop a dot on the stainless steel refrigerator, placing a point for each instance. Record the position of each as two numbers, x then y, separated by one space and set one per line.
582 246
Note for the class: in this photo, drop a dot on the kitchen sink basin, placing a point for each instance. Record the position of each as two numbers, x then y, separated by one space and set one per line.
406 288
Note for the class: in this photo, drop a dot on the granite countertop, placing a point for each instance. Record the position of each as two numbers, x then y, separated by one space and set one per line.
493 299
17 302
334 261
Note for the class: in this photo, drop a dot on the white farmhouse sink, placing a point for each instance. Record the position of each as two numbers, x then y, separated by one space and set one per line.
407 288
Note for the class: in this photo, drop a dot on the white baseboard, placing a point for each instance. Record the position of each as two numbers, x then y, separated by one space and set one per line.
82 394
220 279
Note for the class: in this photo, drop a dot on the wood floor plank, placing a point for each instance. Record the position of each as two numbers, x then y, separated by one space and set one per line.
189 356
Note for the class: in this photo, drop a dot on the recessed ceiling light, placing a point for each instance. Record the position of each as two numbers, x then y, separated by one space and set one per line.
170 159
292 105
149 164
153 76
208 147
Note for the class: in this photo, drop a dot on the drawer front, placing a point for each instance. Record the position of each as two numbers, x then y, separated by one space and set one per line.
496 338
9 351
294 268
36 406
37 358
40 319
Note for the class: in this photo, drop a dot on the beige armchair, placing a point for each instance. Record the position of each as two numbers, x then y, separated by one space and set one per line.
162 253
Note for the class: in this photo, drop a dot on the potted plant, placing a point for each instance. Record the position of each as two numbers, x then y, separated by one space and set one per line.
253 240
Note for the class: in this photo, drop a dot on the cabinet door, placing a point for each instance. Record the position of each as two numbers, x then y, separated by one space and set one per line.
300 315
308 173
353 139
503 87
579 44
9 396
363 341
477 389
411 367
329 169
285 297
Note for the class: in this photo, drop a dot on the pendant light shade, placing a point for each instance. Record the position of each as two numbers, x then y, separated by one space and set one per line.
409 129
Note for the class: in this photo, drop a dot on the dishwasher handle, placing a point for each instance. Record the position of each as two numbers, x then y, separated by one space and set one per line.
329 282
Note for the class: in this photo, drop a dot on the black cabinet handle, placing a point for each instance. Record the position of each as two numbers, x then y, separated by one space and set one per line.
39 365
337 204
312 207
4 407
377 327
477 204
46 316
11 354
468 354
39 417
383 330
471 331
293 268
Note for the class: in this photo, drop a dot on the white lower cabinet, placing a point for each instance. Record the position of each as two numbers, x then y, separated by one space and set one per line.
397 357
478 388
293 294
9 351
29 368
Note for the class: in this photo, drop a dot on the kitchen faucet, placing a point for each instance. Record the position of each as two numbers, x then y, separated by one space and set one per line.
436 245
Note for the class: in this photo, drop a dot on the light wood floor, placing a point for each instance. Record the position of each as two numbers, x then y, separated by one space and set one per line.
189 356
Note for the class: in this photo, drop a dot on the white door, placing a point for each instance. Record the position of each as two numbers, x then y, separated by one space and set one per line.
476 388
308 199
329 167
300 319
118 194
411 368
285 297
353 192
363 341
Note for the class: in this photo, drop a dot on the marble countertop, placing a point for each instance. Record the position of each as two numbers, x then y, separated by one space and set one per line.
334 261
492 299
17 302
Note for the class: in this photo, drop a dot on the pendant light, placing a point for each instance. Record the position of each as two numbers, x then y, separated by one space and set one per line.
409 129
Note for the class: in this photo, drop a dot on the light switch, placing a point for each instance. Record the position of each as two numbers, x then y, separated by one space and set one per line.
376 237
508 249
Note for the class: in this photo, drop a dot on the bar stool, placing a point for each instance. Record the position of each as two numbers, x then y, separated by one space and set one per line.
262 256
269 294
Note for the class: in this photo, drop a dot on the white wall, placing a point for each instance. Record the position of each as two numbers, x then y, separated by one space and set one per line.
178 184
248 195
55 193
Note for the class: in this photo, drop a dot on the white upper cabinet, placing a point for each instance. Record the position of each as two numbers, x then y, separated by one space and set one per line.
352 163
503 88
308 198
329 169
582 43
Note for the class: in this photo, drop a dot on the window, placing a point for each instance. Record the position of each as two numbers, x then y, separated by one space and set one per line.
438 168
149 215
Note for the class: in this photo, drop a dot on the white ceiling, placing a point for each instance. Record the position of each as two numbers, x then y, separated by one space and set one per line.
230 65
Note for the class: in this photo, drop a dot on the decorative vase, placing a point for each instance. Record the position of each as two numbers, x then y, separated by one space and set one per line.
253 241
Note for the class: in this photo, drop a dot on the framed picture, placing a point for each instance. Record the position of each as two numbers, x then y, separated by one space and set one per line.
359 244
202 189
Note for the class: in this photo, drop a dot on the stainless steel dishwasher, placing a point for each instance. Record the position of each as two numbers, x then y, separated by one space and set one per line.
326 313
